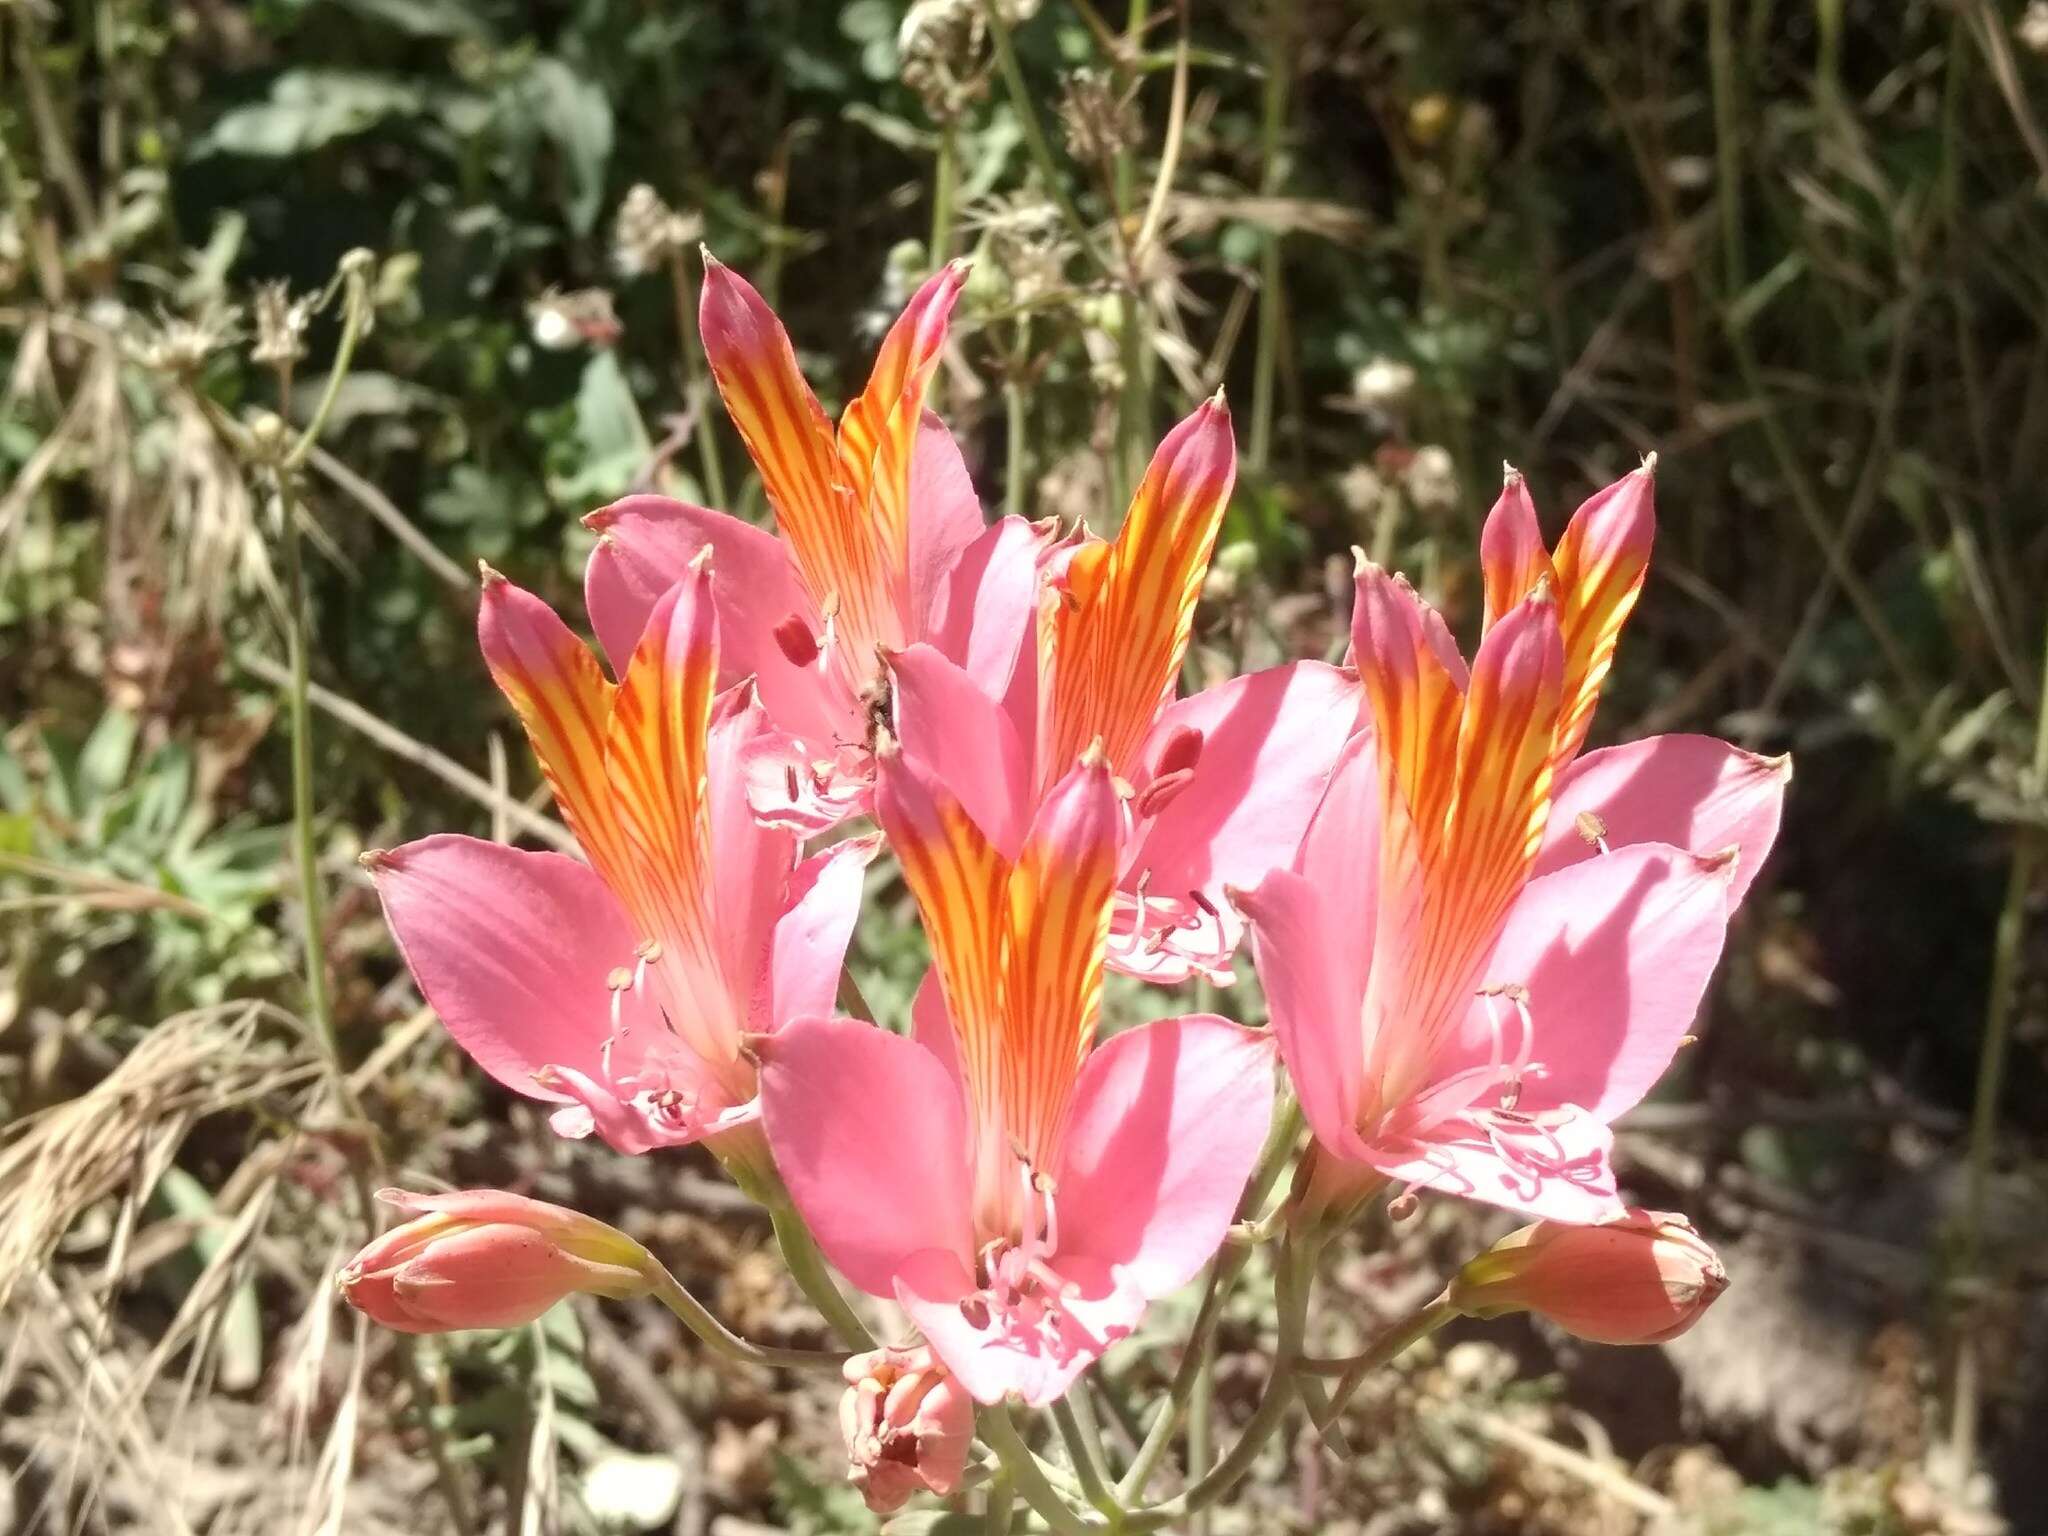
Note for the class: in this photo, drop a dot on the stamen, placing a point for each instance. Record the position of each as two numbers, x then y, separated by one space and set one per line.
1592 829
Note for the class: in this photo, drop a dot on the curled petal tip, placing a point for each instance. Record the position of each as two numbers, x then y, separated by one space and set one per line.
374 860
1544 593
1778 767
1095 754
489 576
1218 401
701 561
1509 475
1649 466
711 262
1723 862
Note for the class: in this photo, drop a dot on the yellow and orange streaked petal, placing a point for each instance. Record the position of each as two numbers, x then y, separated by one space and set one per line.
561 696
879 428
1121 631
792 444
655 764
1415 682
1601 562
1503 779
957 877
1058 909
1512 557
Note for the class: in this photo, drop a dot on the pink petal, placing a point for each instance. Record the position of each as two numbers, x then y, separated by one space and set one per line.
811 936
931 1025
1268 743
1693 792
868 1134
1472 1169
1314 974
954 734
995 1361
1615 953
646 543
945 516
1511 551
1167 1124
513 950
983 611
750 862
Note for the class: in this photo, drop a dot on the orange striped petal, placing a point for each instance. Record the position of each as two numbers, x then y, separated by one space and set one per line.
1415 682
1059 901
561 696
1601 562
1512 557
1503 785
792 444
957 878
655 763
1118 634
879 429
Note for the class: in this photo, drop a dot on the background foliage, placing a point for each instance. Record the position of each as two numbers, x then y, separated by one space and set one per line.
1798 249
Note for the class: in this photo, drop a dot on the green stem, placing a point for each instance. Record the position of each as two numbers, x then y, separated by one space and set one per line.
1034 133
355 270
1001 1507
1272 123
694 384
1028 1477
945 177
1201 1403
1223 1271
1017 473
807 1266
721 1340
1296 1272
1395 1341
1083 1440
1998 1011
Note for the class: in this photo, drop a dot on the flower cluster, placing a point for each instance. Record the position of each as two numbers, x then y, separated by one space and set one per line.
1479 944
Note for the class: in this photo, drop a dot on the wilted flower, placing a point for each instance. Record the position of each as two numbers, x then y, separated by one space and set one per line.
1639 1280
1383 383
1431 480
558 321
943 51
907 1426
647 233
1098 121
281 323
483 1258
2032 27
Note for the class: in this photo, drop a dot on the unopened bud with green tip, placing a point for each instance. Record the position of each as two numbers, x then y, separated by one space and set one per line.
1639 1280
483 1258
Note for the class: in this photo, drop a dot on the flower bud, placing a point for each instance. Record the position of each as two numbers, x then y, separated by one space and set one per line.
482 1258
907 1425
1640 1280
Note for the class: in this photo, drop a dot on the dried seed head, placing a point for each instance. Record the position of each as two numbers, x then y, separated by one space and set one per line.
647 233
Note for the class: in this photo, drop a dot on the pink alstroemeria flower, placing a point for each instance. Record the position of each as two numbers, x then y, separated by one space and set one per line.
621 989
1488 947
1022 1196
1222 783
883 545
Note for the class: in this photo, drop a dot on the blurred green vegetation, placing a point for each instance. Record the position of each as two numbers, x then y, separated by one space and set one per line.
1798 248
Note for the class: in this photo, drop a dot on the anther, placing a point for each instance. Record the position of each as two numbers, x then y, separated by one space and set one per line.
620 979
795 640
1592 829
1403 1206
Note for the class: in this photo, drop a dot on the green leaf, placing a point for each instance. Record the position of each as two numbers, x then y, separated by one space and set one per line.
422 18
573 110
308 108
103 760
612 439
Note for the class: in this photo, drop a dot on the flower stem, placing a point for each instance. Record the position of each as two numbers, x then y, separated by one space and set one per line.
1225 1269
1028 1477
1034 133
1272 122
1001 1507
721 1340
945 173
1412 1329
1016 473
1076 1421
1998 1011
807 1266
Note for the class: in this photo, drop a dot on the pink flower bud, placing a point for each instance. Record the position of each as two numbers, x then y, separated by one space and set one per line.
1640 1280
482 1258
907 1426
